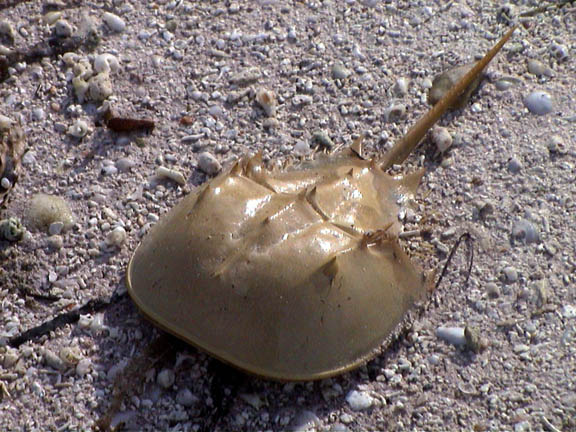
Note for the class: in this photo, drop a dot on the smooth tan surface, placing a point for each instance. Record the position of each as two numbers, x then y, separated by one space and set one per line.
277 274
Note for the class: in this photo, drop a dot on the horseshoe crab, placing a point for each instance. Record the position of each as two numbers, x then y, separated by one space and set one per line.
294 274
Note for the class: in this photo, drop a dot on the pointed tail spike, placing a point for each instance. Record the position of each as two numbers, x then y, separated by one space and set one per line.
406 145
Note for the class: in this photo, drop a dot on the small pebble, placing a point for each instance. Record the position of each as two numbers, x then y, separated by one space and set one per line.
208 163
11 357
38 114
536 67
55 228
55 242
62 28
441 138
186 398
83 367
452 335
358 400
524 231
493 290
114 22
339 71
539 102
305 421
165 378
514 165
125 164
116 237
510 274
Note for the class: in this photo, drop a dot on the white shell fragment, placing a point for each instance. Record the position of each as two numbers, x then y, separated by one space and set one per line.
79 129
106 63
171 174
359 401
441 138
452 335
539 102
113 21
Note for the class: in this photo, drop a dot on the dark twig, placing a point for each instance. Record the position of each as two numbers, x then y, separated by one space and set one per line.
92 306
469 240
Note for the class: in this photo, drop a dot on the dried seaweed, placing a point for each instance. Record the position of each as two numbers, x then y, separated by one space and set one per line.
52 47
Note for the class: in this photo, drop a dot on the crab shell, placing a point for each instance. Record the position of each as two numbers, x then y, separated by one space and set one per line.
290 275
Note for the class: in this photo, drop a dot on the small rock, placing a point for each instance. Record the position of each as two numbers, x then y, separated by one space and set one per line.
536 67
246 76
493 290
441 138
301 148
452 335
514 165
114 22
69 355
322 140
359 401
208 163
62 28
11 357
125 164
506 83
186 398
339 71
525 232
253 400
510 274
83 367
339 427
38 114
539 102
305 421
55 242
55 228
116 237
165 378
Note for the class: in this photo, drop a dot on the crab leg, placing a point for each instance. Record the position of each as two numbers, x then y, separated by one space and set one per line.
408 143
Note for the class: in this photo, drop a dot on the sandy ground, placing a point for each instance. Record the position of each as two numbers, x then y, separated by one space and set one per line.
183 59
